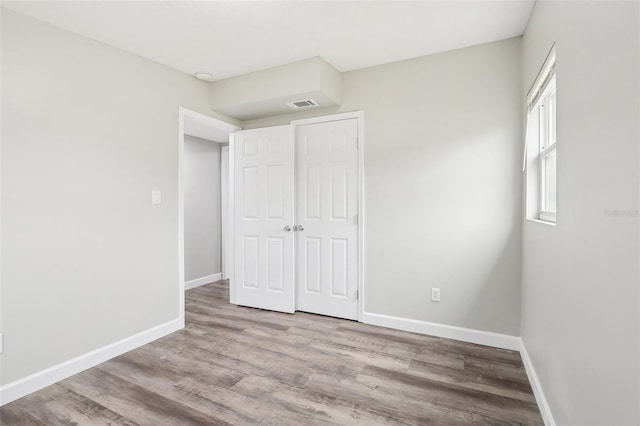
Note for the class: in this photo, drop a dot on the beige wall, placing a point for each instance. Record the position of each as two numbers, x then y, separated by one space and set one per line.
443 151
202 208
87 132
580 283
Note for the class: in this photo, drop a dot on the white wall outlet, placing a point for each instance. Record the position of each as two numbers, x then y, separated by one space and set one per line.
435 294
1 343
156 196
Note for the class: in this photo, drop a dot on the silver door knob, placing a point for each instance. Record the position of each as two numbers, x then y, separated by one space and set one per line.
287 228
299 228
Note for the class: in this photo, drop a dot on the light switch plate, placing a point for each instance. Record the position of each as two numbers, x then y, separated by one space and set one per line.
435 294
156 196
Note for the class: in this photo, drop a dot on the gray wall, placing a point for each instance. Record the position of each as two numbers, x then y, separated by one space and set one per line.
87 132
443 151
202 239
580 280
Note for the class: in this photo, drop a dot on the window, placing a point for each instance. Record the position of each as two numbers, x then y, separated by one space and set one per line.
546 110
541 145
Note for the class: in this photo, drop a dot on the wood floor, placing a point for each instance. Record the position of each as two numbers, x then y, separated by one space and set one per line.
235 365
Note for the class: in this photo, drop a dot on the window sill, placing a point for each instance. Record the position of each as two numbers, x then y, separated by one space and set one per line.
544 222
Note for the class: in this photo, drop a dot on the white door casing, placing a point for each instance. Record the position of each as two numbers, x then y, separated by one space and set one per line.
264 208
327 218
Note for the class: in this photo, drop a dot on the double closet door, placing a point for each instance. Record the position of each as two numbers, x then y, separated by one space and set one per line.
296 213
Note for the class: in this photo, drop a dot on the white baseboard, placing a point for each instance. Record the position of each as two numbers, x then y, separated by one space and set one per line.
25 386
22 387
470 335
497 340
543 405
202 281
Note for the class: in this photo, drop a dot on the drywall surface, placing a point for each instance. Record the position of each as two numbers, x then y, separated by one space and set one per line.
442 154
265 93
202 238
580 301
87 132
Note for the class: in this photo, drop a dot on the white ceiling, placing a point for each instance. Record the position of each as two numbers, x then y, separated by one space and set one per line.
229 38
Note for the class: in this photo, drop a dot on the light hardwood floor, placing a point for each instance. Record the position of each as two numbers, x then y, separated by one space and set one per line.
236 365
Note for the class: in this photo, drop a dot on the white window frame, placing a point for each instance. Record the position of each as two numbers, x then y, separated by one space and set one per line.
547 142
544 142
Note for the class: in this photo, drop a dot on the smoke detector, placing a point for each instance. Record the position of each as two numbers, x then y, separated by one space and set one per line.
203 75
304 103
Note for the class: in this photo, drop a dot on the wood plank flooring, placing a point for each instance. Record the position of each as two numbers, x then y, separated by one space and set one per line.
236 365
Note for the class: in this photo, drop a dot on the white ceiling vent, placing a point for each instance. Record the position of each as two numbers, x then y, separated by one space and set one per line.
305 103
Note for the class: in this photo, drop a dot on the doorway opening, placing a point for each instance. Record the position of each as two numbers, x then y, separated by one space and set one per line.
203 200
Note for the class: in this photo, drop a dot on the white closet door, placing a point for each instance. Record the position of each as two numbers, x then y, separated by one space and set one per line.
327 208
264 211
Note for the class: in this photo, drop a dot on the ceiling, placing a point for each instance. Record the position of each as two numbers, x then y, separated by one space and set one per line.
230 38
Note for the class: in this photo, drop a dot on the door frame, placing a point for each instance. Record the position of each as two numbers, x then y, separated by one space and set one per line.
222 125
231 219
358 115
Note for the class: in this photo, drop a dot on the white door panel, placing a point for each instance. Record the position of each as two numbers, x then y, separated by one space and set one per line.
327 208
264 194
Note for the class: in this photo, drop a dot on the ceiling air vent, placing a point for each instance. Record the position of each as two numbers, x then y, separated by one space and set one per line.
305 103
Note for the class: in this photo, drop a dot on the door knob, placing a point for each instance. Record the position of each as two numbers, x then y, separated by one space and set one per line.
299 228
287 228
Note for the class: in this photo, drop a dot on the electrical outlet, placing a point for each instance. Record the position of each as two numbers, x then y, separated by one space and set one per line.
435 294
1 343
